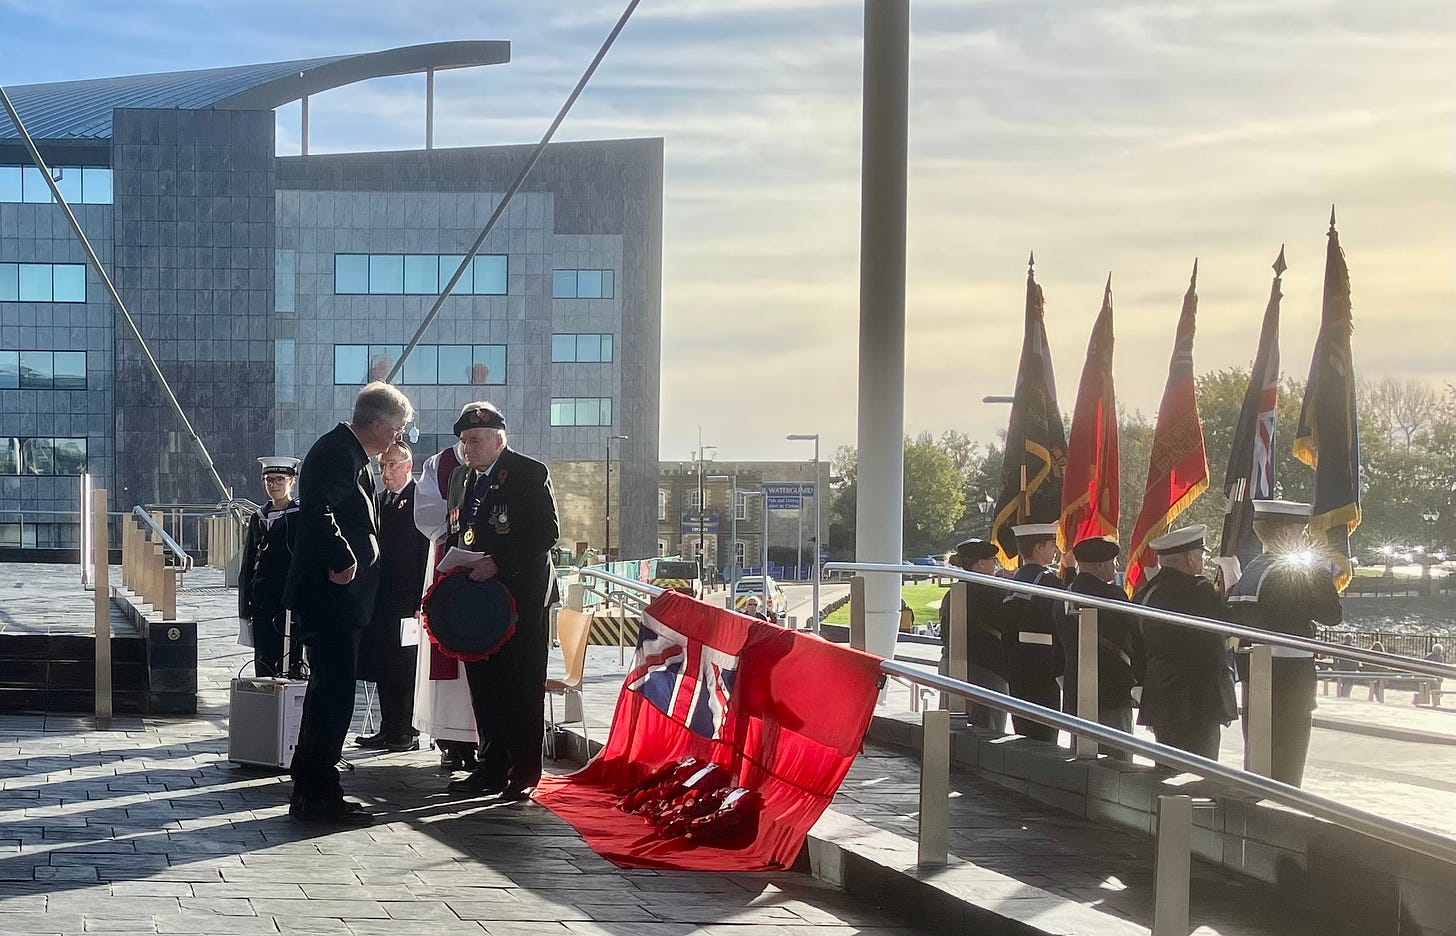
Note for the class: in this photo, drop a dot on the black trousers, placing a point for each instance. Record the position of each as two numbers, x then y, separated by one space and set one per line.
268 645
1291 702
508 693
1195 737
1042 691
328 709
397 697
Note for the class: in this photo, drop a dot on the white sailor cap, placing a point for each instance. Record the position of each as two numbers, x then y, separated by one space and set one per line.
279 464
1281 509
1190 537
1034 529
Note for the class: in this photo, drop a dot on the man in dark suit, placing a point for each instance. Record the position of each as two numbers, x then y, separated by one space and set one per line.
1033 658
985 630
331 586
383 660
1188 691
1119 640
503 508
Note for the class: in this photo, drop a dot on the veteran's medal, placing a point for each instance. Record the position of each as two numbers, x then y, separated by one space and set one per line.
500 520
469 538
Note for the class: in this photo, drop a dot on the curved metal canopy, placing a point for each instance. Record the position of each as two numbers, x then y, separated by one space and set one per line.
81 110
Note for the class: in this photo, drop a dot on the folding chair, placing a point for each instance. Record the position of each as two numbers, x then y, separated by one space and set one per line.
571 630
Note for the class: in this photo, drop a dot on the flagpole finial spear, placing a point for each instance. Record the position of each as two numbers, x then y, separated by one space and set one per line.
1332 219
1109 281
1031 263
1279 265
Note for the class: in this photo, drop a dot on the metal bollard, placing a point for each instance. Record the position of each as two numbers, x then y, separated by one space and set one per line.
1087 676
102 695
1259 714
169 591
857 612
1174 866
934 841
956 644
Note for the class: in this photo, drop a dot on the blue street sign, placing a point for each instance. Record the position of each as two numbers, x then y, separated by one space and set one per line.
787 495
691 523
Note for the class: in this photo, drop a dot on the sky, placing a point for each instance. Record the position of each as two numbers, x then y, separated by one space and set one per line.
1106 135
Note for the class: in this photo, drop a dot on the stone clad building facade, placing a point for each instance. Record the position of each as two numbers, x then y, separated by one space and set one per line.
270 288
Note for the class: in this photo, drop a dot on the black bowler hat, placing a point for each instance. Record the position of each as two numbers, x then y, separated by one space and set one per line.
469 620
1096 549
974 550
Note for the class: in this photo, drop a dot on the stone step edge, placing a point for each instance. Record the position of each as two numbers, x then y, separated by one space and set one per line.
880 867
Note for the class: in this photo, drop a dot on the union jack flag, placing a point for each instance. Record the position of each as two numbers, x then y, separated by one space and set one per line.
683 678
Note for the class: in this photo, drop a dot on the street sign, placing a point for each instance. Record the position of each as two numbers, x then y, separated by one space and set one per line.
700 523
787 495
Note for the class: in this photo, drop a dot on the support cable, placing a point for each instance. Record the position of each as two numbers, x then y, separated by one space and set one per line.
515 187
95 262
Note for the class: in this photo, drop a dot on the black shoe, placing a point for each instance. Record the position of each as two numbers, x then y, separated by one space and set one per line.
478 784
515 792
449 761
331 812
374 742
400 745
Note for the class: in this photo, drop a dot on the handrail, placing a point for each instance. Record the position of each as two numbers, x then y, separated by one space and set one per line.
1417 839
181 558
615 579
1254 634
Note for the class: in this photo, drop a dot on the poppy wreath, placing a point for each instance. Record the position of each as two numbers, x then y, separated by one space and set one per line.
468 620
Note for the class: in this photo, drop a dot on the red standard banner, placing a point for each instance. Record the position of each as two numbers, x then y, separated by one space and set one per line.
771 719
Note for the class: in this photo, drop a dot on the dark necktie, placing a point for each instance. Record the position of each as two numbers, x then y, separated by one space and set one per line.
389 501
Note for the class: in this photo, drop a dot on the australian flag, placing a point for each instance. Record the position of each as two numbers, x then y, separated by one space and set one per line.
683 678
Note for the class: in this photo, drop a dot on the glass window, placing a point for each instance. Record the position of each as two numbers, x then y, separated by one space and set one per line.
96 185
490 275
35 282
489 366
588 284
386 274
607 284
381 360
9 455
661 506
68 180
423 364
27 536
9 532
36 369
421 275
285 280
563 349
9 282
589 411
606 348
589 349
351 364
9 373
70 370
563 412
37 456
449 263
9 183
740 507
456 363
33 186
70 282
284 375
351 274
563 284
70 456
606 411
694 500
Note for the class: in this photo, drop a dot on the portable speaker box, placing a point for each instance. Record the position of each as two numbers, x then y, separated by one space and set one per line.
263 720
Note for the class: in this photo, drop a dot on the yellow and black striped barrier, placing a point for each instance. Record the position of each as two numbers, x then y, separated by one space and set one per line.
607 630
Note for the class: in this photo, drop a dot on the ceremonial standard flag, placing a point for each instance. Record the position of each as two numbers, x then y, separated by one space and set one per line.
1036 444
1250 474
1178 469
1328 439
784 713
1090 489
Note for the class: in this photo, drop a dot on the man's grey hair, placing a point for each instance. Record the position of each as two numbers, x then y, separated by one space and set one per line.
379 400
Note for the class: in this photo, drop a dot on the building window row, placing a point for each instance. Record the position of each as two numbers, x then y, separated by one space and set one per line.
42 282
428 364
42 456
417 274
582 284
43 370
79 185
581 349
581 411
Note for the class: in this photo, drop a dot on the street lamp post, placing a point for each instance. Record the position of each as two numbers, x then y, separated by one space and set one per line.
818 573
733 547
607 539
702 502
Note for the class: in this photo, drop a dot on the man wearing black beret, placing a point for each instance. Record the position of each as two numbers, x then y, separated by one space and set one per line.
1119 640
985 657
502 507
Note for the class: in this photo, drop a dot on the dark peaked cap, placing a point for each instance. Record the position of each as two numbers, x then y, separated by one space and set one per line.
974 550
1096 549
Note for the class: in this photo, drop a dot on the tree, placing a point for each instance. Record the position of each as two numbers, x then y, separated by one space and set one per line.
934 498
1401 408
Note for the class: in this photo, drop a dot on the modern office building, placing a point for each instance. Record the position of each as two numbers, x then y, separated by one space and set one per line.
270 288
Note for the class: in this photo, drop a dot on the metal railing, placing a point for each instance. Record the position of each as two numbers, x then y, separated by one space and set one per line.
181 560
1174 835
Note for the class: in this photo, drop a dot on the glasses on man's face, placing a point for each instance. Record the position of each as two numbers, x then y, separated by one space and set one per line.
391 465
410 434
275 479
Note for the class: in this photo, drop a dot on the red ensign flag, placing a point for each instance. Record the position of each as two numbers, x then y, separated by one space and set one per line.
1090 486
